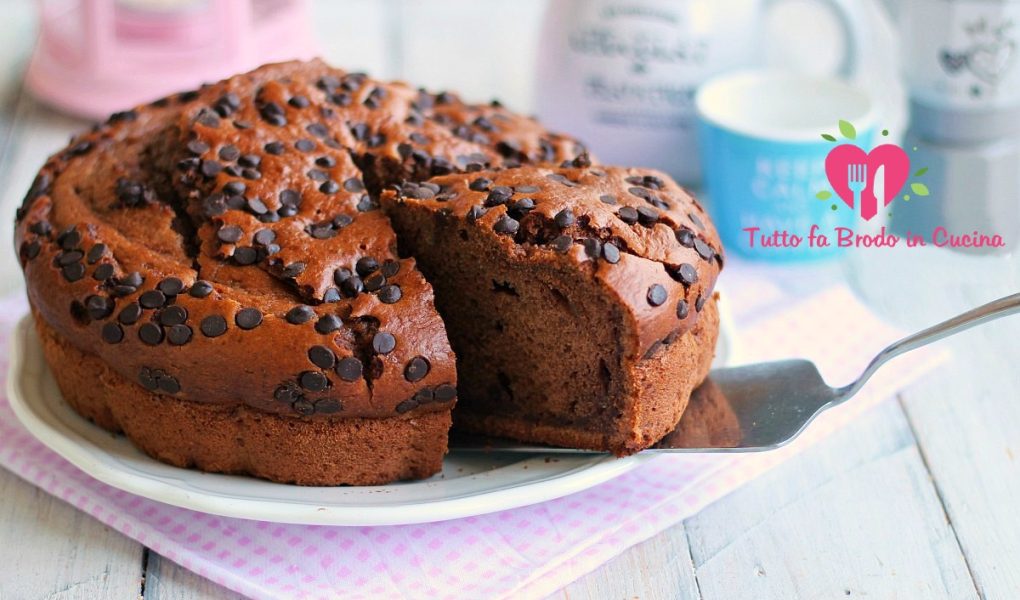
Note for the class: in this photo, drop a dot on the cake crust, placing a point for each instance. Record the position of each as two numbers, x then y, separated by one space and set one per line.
243 440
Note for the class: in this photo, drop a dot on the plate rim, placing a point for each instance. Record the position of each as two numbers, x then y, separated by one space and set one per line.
87 457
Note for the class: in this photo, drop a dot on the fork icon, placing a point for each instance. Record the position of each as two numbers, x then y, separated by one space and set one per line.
856 180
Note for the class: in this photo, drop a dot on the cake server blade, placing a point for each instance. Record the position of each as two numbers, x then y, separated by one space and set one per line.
762 406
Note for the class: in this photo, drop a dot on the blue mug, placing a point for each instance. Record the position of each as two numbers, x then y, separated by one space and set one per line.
763 159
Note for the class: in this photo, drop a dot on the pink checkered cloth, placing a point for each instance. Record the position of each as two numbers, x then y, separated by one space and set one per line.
523 553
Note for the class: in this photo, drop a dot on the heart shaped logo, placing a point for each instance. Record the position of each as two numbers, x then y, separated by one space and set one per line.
853 175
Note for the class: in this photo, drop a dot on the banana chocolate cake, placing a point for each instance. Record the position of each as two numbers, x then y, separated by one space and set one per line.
297 272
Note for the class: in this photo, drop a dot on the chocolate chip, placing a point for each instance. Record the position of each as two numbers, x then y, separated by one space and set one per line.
173 315
147 380
178 335
685 237
275 148
230 234
112 333
416 370
349 369
303 407
171 286
390 267
704 250
322 357
150 333
682 309
298 102
389 294
352 286
564 218
328 406
383 343
197 147
331 295
628 215
608 199
69 239
70 257
657 295
697 221
152 299
374 282
699 303
329 187
293 269
592 247
167 383
328 324
250 160
245 255
73 272
476 212
300 314
103 272
257 206
354 185
523 205
200 289
562 243
98 307
506 225
313 381
96 252
647 215
366 265
248 318
406 406
130 314
611 253
210 168
31 249
498 195
687 274
305 145
213 326
228 153
445 393
290 197
480 184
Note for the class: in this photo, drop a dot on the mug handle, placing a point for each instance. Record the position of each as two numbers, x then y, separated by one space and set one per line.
853 32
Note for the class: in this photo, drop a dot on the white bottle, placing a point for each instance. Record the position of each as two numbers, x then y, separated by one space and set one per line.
621 74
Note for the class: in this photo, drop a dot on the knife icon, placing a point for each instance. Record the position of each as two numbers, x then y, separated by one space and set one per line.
878 186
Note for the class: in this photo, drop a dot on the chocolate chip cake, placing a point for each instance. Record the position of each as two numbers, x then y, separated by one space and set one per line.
241 280
578 299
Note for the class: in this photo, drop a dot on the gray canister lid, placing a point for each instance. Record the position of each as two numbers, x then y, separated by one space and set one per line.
946 124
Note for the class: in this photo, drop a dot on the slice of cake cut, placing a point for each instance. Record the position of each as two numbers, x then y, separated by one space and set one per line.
579 300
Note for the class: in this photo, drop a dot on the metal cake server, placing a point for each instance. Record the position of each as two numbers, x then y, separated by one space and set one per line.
766 405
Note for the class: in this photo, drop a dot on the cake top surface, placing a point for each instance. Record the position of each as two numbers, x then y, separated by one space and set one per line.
234 232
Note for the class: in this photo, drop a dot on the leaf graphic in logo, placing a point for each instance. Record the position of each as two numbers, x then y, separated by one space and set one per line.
847 129
920 171
823 195
828 137
919 188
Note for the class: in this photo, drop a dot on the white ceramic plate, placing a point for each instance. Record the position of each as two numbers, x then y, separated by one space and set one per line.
470 484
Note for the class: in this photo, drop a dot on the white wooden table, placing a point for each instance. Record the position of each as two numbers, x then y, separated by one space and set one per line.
917 499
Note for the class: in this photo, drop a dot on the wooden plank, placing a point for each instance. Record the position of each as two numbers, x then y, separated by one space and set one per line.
166 580
967 421
52 550
658 568
856 516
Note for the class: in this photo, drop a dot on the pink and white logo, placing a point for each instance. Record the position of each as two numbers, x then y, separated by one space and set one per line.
867 181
